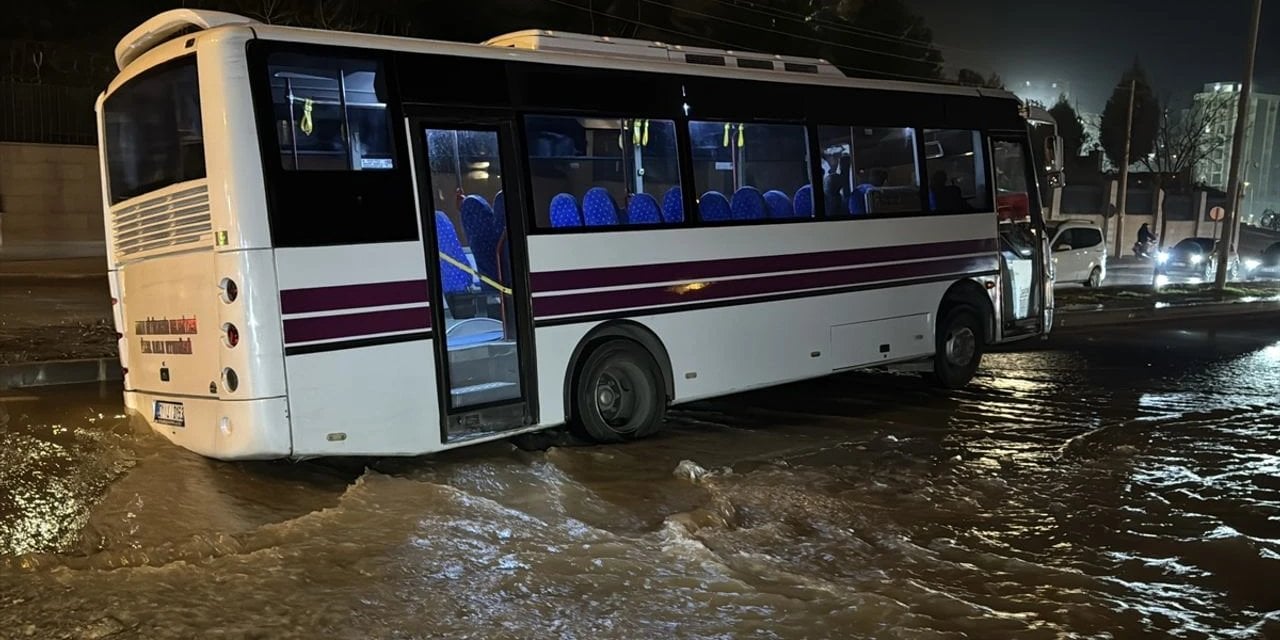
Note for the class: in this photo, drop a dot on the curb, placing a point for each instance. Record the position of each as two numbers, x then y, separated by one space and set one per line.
1103 317
58 372
52 276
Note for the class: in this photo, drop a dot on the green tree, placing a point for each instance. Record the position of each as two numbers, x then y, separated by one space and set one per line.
1146 115
1070 127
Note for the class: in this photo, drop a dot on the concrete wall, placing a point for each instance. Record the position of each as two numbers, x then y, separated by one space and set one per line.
49 193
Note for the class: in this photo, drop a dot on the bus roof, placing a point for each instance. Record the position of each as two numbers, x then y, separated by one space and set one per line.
545 46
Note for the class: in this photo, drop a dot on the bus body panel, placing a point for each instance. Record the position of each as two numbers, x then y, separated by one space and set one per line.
372 400
222 429
171 324
789 297
346 395
231 142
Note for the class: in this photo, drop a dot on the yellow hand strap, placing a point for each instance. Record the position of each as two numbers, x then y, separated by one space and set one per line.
306 125
483 278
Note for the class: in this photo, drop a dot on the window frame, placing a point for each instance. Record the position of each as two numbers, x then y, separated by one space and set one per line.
982 151
810 146
520 118
390 190
921 184
347 137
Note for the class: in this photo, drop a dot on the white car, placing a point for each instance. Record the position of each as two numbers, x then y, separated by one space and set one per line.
1079 253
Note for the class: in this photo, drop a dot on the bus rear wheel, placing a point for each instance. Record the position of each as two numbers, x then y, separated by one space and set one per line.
959 347
618 394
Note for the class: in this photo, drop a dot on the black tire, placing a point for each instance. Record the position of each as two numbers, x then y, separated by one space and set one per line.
1095 278
618 394
959 347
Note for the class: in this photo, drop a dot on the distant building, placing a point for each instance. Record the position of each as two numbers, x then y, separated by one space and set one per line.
1260 162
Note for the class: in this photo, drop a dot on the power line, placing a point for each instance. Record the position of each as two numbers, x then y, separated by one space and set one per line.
650 26
732 46
840 26
796 36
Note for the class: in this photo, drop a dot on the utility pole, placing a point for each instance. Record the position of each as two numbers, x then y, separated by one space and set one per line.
1226 238
1124 172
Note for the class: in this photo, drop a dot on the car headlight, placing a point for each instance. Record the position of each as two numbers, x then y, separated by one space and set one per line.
1162 257
1250 264
1197 259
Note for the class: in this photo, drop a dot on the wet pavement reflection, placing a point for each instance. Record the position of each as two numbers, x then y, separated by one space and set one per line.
1112 485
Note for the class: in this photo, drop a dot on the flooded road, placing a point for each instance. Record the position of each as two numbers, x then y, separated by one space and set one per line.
1107 486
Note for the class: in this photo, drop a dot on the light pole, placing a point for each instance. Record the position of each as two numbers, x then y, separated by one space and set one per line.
1124 171
1226 238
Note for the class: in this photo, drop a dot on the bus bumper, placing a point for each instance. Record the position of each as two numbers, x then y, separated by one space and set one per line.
214 428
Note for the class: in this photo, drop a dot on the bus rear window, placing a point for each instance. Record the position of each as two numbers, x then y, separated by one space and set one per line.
153 131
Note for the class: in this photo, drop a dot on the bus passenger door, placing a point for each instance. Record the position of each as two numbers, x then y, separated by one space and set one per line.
471 216
1024 272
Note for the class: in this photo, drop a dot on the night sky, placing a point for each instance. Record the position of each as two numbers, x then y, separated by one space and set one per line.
1182 43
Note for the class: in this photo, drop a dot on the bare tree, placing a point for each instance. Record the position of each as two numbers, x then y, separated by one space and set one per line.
1185 140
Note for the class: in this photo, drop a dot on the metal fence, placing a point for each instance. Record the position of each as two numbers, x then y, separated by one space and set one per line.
49 114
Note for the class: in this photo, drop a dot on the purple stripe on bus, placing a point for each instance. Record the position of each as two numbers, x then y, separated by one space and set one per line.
704 269
353 296
356 324
582 303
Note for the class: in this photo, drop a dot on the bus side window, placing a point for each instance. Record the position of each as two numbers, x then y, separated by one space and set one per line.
620 171
761 170
869 170
956 170
330 113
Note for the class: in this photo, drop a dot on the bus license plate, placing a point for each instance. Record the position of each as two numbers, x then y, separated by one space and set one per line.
170 413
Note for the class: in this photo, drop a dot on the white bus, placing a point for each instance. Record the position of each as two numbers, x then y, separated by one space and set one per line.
332 243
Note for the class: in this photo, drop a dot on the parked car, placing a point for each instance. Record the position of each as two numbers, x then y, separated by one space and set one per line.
1079 253
1195 258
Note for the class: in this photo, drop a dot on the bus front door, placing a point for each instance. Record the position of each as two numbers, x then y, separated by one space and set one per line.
483 339
1025 279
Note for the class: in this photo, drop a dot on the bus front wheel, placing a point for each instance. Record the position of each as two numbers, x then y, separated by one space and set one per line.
959 347
618 394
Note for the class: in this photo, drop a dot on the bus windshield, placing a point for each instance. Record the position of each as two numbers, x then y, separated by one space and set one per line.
153 131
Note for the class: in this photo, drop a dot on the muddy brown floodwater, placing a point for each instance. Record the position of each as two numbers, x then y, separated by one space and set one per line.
1116 486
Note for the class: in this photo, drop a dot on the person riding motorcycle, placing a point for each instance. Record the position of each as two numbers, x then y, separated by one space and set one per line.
1146 241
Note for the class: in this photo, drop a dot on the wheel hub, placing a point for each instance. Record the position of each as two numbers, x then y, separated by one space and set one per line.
961 346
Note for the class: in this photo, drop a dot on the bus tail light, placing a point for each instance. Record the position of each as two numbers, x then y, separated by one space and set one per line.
232 334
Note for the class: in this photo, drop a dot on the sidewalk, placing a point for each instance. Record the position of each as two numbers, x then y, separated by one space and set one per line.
1083 308
50 260
55 314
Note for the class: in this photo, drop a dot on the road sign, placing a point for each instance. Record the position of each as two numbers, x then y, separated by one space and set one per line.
1217 213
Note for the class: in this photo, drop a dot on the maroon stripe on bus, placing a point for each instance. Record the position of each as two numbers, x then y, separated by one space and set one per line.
704 269
353 296
582 303
355 324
